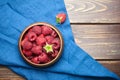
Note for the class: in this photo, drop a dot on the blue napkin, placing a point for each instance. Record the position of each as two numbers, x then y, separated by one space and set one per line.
74 64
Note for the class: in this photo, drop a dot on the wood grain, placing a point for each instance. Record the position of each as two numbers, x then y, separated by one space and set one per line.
6 74
114 66
100 41
93 11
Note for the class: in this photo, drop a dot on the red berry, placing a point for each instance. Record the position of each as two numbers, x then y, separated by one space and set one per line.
46 30
60 18
40 40
37 50
27 52
55 54
49 39
25 37
43 58
30 57
34 44
42 36
31 36
35 60
54 34
26 44
56 43
37 29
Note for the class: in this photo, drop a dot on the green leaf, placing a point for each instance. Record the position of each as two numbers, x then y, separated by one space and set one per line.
48 48
58 20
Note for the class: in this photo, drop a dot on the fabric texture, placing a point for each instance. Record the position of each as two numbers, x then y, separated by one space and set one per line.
74 64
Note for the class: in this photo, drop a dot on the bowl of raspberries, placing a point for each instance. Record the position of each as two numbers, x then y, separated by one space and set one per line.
41 44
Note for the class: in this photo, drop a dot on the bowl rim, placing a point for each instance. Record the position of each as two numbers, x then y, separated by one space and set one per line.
59 53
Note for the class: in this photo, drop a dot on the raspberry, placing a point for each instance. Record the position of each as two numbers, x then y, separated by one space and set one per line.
37 29
25 37
56 43
55 54
31 36
37 50
43 58
30 57
60 18
34 44
26 44
35 60
54 34
27 52
40 40
42 36
49 39
46 30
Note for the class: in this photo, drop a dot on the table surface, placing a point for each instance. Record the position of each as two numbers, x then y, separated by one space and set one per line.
96 28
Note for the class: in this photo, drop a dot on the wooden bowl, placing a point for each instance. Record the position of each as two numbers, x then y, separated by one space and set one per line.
52 61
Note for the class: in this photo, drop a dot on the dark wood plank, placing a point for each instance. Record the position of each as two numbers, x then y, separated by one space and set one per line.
11 78
114 66
6 74
100 41
93 11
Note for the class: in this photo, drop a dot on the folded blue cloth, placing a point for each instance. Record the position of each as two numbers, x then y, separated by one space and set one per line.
74 64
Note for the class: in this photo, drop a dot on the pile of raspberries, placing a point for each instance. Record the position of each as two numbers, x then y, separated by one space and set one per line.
35 39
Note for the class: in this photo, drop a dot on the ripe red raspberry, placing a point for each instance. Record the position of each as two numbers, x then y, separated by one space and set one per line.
36 50
54 34
40 40
27 53
25 37
43 58
37 29
55 54
60 18
35 60
34 44
31 36
30 57
56 43
49 39
41 35
27 45
46 30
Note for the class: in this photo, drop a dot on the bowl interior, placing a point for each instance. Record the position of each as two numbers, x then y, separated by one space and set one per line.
48 63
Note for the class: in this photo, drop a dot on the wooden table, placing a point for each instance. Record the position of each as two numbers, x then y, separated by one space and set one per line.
96 28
